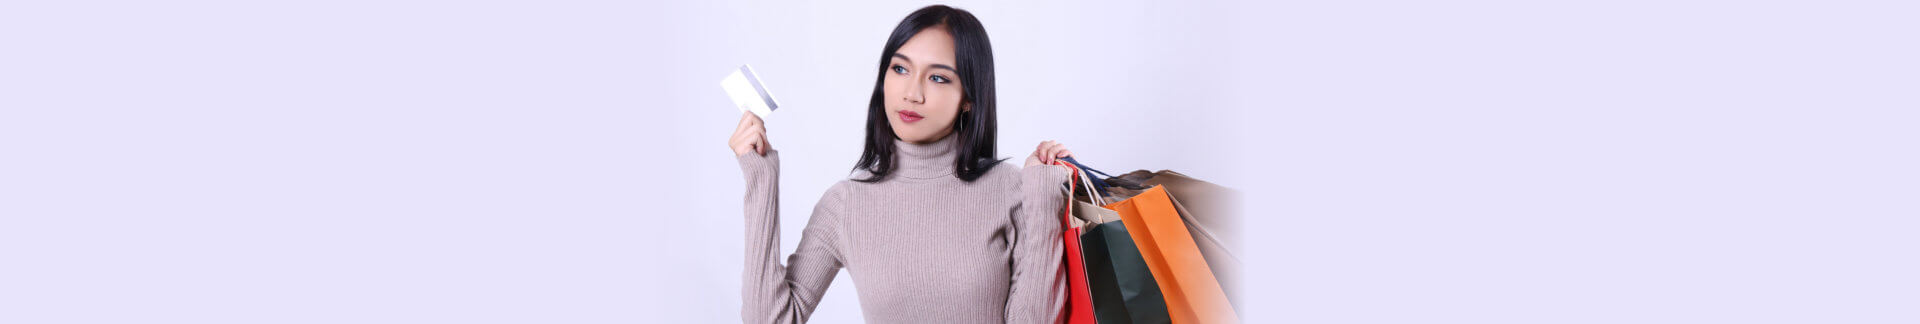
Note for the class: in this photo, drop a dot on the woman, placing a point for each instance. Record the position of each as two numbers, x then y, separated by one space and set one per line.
931 226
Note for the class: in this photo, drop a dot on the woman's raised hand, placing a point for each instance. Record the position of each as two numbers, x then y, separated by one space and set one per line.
750 136
1047 152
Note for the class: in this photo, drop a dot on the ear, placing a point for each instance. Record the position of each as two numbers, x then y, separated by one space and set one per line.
966 106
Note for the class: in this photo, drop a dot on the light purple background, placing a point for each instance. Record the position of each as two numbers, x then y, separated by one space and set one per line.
563 161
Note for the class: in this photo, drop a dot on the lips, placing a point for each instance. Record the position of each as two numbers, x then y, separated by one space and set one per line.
908 116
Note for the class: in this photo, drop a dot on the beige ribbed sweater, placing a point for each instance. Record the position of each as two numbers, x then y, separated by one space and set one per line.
922 245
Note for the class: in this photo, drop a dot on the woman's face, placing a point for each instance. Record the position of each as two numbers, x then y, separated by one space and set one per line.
922 91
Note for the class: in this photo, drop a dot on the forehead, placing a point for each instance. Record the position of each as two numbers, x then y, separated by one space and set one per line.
932 45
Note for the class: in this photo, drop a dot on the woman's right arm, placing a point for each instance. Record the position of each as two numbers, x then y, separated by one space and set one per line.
772 293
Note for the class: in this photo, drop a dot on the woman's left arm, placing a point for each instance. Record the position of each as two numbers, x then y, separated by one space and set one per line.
1038 293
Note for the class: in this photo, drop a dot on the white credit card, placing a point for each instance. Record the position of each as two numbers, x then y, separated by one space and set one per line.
747 92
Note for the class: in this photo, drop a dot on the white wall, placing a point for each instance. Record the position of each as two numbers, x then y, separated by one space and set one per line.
431 161
562 161
1150 73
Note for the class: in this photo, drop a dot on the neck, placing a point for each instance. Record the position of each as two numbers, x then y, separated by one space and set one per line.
927 160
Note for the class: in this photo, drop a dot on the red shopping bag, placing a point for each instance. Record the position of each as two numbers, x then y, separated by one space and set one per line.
1079 296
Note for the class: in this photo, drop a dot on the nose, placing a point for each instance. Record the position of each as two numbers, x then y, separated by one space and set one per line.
913 94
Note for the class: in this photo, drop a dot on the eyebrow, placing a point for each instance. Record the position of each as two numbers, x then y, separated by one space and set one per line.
937 66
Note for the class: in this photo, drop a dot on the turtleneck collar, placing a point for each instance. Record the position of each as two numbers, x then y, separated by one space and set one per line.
925 161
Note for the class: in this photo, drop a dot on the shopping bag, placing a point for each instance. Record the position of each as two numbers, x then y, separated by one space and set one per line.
1079 298
1210 211
1191 291
1214 207
1123 288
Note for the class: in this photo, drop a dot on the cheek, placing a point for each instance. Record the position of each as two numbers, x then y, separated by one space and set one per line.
949 100
890 91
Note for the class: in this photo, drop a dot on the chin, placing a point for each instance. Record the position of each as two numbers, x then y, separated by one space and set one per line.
912 137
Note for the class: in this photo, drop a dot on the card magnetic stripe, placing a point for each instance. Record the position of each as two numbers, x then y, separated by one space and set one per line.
762 90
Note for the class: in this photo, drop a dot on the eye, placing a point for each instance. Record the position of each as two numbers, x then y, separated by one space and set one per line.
899 69
939 79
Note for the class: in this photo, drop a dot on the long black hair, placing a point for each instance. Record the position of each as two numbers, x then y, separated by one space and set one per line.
975 126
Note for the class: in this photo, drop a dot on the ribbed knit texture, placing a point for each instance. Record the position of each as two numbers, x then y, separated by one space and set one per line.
922 245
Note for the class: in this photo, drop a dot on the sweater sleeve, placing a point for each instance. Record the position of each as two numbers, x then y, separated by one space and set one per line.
772 293
1038 293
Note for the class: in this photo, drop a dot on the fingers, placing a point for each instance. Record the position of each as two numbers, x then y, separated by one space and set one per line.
1050 151
760 130
763 146
1053 152
1040 152
1045 152
740 132
747 119
757 141
746 142
749 136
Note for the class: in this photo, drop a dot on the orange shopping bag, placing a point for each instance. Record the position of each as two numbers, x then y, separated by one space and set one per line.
1192 293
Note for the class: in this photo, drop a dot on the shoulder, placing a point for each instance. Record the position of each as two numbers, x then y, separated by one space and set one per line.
838 193
1015 174
1015 178
1002 174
